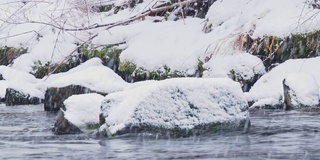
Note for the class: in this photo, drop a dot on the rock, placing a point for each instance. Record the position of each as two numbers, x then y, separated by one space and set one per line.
86 78
270 85
241 67
55 96
175 107
83 111
15 97
63 126
300 90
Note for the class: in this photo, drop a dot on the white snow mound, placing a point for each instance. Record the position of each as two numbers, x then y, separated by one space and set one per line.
304 89
97 78
84 109
183 103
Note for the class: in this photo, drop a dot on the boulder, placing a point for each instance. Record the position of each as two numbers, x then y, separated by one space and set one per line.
55 96
175 107
15 97
82 113
241 67
63 126
300 90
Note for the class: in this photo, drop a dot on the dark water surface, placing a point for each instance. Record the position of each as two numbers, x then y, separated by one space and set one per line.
25 133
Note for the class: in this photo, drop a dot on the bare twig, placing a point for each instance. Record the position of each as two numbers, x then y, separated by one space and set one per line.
111 25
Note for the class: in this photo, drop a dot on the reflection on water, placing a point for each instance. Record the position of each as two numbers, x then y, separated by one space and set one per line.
25 133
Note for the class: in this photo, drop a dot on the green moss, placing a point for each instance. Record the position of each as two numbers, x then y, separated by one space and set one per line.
105 54
127 67
104 8
39 70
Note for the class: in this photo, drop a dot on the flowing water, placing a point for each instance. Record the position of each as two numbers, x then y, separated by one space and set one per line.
25 133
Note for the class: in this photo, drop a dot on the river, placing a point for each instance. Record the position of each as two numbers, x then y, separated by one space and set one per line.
25 133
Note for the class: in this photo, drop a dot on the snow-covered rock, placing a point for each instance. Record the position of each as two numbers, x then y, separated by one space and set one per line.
97 78
81 114
184 106
89 77
270 84
83 110
241 67
11 74
17 97
18 87
300 90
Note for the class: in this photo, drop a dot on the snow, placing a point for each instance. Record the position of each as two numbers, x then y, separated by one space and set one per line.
11 74
243 64
169 103
20 81
270 85
82 110
260 17
262 103
304 89
98 78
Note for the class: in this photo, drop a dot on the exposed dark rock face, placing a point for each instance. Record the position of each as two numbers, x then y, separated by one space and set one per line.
14 97
287 97
54 97
63 126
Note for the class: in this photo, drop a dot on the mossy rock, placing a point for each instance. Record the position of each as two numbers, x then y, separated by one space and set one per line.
8 54
40 70
109 55
14 97
131 73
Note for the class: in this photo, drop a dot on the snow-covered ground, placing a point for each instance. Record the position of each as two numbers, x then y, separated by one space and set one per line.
175 44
